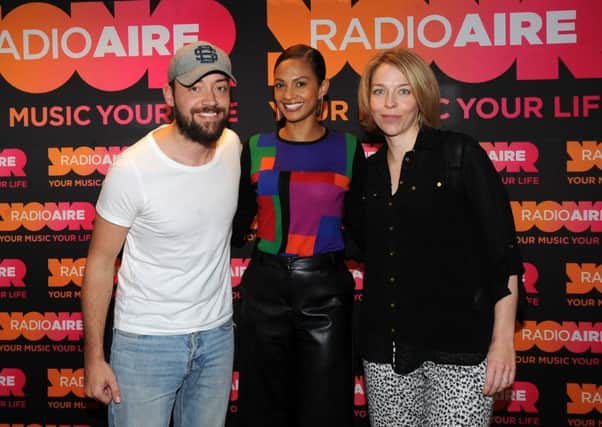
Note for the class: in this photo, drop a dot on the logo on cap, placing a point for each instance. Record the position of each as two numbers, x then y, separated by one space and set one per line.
205 54
193 61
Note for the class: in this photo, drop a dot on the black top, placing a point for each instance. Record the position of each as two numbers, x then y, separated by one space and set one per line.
438 253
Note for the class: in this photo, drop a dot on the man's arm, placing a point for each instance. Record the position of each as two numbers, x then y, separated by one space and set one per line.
97 289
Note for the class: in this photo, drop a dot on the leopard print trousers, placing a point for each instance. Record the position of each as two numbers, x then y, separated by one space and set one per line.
434 395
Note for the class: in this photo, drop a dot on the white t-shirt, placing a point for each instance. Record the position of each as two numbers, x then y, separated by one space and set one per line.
175 275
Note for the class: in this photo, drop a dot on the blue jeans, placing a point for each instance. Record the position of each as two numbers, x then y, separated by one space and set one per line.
187 375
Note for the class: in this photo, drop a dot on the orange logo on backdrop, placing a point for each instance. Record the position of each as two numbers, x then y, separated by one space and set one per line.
34 216
109 51
584 155
550 216
65 381
584 398
82 160
456 35
65 271
34 326
583 278
551 336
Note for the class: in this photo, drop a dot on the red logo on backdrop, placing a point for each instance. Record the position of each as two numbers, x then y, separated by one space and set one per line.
534 36
34 326
12 272
234 390
360 391
59 216
66 381
357 271
583 278
83 161
238 267
370 149
550 216
551 336
66 270
12 382
585 398
530 277
522 397
12 162
109 51
585 155
512 157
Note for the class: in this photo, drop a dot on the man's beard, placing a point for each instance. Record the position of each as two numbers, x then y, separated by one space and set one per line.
205 135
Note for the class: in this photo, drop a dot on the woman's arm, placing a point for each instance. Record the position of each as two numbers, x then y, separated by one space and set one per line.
353 221
491 206
501 358
247 201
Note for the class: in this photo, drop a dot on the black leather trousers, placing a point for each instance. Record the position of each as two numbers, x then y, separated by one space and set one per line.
296 342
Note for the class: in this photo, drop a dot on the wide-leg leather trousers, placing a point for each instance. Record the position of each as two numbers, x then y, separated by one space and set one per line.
296 342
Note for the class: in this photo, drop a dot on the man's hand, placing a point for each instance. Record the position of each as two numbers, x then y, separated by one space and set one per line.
100 382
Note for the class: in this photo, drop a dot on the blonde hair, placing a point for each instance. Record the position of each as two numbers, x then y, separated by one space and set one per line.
422 81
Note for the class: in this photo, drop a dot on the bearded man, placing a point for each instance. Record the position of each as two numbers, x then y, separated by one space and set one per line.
168 201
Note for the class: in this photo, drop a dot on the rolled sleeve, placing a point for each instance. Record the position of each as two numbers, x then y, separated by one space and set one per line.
489 200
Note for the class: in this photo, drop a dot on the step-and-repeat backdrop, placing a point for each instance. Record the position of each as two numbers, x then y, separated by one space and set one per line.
80 81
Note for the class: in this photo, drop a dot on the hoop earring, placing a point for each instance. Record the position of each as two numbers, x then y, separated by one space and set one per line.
278 114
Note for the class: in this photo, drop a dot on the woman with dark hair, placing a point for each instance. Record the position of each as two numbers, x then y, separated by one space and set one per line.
297 293
437 319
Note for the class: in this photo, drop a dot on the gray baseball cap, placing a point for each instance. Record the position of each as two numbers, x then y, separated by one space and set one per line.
195 60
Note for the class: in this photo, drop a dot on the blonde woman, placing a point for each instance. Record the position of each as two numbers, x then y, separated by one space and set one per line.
441 266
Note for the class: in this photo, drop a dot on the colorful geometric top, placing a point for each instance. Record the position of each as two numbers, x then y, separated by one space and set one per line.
297 190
